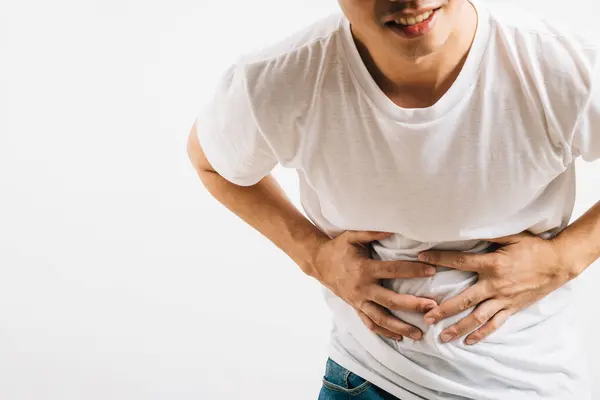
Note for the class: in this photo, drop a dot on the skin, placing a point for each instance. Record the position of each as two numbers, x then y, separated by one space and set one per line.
523 271
414 73
342 264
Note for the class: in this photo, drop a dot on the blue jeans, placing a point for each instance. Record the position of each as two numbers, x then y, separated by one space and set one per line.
341 384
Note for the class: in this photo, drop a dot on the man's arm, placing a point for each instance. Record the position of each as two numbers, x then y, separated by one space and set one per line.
264 206
342 264
579 243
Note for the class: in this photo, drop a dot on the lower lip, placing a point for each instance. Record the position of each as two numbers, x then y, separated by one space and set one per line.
417 30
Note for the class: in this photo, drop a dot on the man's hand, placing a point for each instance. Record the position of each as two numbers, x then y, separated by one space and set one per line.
344 266
523 271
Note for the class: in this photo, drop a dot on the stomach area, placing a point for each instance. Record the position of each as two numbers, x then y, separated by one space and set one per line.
448 283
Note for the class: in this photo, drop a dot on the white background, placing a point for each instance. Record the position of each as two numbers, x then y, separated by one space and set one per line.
120 277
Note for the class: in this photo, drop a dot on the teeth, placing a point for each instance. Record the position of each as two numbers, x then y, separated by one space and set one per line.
417 19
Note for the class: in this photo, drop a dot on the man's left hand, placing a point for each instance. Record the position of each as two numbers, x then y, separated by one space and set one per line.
524 270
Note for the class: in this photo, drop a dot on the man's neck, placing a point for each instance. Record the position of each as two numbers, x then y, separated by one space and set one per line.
421 82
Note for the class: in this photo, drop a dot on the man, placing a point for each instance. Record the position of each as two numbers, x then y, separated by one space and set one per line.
434 142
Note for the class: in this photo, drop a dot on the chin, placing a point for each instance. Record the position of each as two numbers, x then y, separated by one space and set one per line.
417 48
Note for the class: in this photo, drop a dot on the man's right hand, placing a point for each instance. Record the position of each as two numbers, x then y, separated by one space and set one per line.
344 265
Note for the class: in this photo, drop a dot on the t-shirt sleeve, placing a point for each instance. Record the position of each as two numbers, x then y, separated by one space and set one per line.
230 136
585 139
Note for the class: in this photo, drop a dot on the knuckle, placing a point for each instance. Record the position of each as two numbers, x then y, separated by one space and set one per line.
465 303
398 303
391 304
381 299
498 265
354 300
411 305
460 260
362 267
355 292
495 268
480 318
497 261
378 319
387 269
498 286
356 269
360 305
492 326
504 288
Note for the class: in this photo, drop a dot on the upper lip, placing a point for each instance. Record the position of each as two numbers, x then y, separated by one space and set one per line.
402 14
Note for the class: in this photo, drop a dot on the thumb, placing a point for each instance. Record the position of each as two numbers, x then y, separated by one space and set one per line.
365 237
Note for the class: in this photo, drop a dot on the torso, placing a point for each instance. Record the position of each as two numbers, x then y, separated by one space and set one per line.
486 160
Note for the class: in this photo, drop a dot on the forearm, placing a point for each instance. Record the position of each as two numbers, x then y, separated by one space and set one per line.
579 243
265 207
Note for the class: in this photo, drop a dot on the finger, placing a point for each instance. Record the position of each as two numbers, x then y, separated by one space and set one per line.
376 328
400 269
471 297
396 301
383 319
480 316
458 260
490 327
365 237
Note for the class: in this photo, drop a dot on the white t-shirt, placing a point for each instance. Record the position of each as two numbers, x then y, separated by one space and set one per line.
493 157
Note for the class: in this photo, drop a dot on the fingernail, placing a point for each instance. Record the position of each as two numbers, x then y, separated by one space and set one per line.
415 335
470 341
423 257
431 271
429 321
446 337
